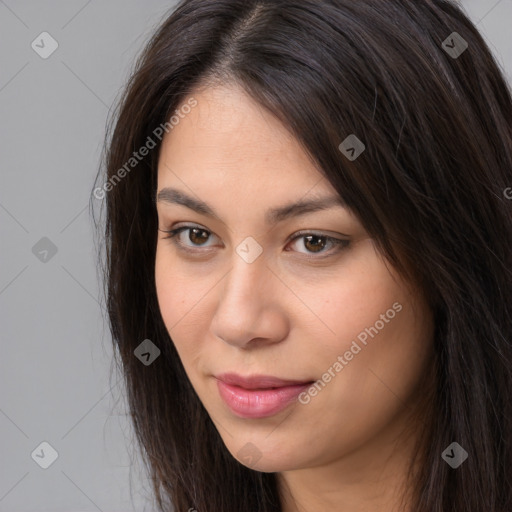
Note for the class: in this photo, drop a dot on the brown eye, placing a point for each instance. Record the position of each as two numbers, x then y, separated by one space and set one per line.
197 236
314 243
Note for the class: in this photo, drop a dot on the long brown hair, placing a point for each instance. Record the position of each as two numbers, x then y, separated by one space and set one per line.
435 113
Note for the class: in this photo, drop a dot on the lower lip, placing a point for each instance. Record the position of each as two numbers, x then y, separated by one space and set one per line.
259 403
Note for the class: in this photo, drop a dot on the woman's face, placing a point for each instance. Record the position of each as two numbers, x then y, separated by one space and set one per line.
254 286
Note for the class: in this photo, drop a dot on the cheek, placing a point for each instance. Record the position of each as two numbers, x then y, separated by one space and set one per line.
348 302
361 394
380 328
389 363
168 291
179 301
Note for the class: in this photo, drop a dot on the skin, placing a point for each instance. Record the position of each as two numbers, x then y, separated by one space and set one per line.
290 313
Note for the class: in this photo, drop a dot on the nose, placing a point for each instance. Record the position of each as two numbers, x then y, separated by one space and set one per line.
249 312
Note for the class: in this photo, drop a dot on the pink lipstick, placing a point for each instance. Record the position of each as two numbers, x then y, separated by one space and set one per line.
258 396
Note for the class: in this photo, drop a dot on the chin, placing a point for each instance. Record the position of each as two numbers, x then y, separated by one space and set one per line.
265 456
270 465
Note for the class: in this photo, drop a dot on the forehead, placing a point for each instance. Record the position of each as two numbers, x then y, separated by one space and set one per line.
229 138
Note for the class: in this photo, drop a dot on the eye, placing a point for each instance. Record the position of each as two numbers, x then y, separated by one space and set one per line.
197 236
316 243
313 243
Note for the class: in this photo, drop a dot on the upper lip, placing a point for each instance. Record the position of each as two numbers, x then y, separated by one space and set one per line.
258 381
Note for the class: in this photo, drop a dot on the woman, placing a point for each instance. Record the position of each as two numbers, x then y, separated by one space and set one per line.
308 250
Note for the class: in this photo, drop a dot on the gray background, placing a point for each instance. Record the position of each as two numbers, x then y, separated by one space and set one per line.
56 380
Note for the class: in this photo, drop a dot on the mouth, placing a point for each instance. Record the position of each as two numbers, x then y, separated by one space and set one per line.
259 396
255 382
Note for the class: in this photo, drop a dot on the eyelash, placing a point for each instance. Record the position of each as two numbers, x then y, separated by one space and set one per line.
339 244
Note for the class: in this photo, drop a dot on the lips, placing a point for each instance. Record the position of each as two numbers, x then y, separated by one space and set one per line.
258 396
258 381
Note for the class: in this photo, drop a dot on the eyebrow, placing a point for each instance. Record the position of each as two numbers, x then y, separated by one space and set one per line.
273 215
